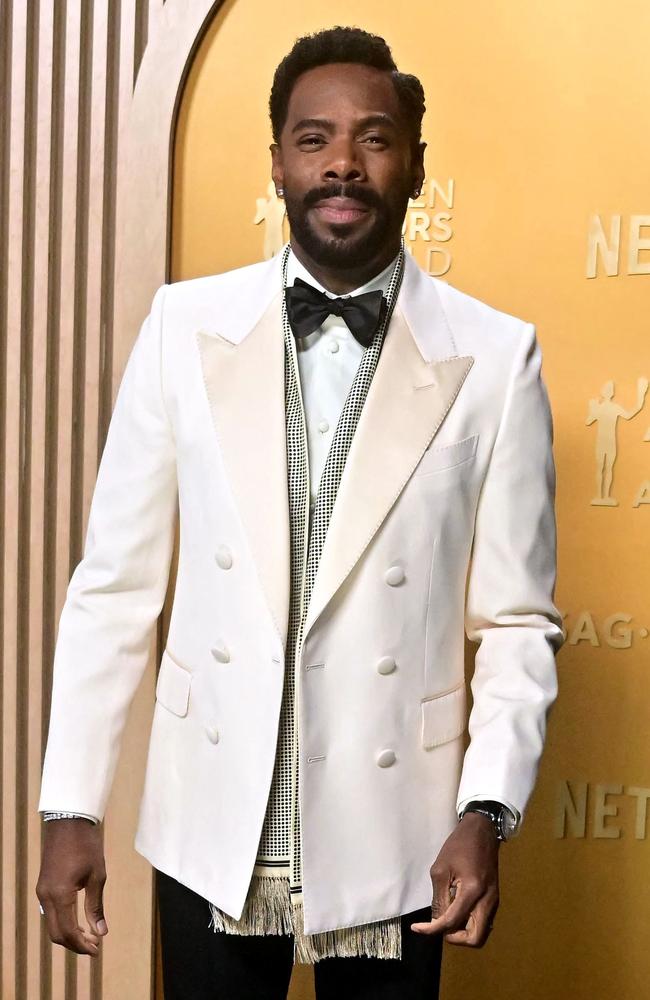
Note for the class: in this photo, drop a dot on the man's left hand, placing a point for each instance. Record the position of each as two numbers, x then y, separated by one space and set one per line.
465 879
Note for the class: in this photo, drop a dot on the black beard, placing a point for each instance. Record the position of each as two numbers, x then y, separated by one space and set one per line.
338 251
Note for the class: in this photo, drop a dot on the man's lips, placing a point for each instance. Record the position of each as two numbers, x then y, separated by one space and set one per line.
340 209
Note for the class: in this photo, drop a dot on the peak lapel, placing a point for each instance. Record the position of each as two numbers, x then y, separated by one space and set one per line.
245 388
407 401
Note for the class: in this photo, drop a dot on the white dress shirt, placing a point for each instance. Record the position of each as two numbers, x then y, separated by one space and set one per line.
328 360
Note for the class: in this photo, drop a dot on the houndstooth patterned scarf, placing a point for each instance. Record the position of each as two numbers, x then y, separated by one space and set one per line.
274 902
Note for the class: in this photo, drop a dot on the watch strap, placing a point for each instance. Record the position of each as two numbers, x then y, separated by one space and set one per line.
494 810
50 815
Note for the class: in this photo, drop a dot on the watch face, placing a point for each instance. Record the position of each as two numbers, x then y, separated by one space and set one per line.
502 818
507 823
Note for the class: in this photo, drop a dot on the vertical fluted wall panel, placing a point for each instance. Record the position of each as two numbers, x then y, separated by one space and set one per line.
51 968
5 134
36 956
14 466
72 295
88 91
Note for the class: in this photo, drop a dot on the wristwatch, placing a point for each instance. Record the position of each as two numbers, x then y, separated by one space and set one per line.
503 821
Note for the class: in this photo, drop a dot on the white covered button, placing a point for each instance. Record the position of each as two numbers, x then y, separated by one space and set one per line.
220 652
323 425
386 757
213 734
386 665
333 346
394 575
223 555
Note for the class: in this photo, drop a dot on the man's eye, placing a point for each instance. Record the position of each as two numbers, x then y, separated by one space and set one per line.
376 140
311 140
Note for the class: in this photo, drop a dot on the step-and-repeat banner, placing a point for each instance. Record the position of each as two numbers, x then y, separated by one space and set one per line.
537 200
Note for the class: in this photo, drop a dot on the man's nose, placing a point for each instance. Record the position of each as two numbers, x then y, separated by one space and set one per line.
343 163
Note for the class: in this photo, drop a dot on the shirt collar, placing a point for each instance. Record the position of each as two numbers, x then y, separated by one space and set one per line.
380 281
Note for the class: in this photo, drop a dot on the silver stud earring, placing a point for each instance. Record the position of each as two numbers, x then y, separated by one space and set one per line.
280 192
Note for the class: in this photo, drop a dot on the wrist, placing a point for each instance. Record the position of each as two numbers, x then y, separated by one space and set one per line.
476 822
494 813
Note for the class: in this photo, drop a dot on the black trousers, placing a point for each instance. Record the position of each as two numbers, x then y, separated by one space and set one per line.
199 964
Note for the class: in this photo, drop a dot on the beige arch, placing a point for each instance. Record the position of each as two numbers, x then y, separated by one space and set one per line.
144 175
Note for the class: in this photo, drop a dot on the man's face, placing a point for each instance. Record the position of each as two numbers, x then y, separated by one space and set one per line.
346 163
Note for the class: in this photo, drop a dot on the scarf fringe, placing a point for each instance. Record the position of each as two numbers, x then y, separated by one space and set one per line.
269 910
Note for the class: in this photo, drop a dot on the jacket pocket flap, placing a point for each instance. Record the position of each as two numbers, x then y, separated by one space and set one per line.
443 717
173 685
438 457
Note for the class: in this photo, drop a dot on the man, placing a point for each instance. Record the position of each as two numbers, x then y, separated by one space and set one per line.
351 443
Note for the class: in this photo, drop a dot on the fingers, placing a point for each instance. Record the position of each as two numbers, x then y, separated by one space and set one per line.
468 918
456 914
479 925
93 904
50 920
444 892
63 925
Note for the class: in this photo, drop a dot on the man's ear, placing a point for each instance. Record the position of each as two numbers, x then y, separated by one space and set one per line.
277 169
418 165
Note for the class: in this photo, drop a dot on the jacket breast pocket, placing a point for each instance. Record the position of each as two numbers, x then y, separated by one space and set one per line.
447 456
443 717
173 686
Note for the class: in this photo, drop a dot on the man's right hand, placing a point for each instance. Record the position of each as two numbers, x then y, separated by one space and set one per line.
73 859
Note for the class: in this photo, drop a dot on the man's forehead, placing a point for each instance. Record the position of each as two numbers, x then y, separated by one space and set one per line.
327 91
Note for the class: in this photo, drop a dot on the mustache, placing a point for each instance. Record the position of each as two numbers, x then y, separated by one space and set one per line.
357 192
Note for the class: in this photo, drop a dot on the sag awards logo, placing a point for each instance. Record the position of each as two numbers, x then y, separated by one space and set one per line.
427 228
617 631
606 238
606 412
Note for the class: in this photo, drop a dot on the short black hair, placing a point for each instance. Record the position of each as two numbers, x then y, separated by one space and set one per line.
344 45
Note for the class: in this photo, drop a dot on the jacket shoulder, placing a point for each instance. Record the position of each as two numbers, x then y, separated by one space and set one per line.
477 324
230 301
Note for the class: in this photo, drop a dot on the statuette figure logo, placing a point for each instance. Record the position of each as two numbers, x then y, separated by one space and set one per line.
605 413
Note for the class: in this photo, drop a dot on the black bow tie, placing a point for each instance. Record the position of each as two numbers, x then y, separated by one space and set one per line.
307 308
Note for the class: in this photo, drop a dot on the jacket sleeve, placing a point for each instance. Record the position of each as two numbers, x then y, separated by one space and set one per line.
509 609
118 588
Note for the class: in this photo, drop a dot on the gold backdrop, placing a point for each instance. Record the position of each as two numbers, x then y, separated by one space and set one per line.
537 201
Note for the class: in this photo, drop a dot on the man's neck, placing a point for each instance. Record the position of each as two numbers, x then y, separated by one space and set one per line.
340 281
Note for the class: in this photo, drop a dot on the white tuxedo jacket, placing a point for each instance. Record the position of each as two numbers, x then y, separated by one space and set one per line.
444 523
